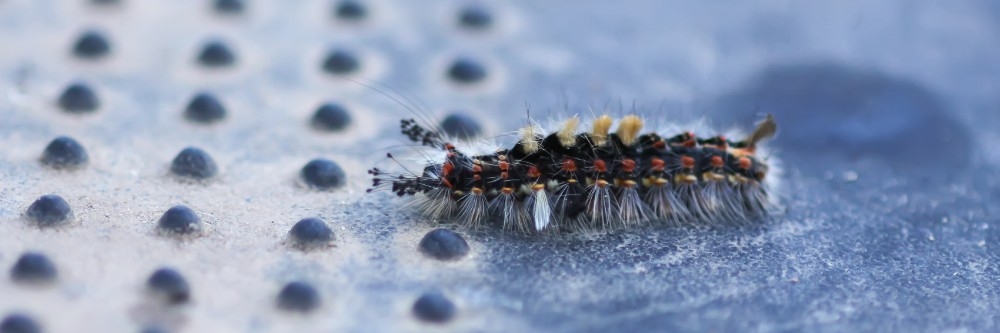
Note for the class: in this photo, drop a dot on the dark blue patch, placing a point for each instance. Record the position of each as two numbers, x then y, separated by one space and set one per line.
19 323
331 117
78 98
829 110
91 45
350 10
444 244
64 152
434 307
466 70
475 18
49 210
179 219
341 62
216 54
311 232
462 126
105 2
298 296
193 163
323 174
33 267
169 284
228 6
204 108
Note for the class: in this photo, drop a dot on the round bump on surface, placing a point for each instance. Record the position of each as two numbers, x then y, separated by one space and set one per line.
179 219
64 153
194 163
341 62
434 307
350 10
323 174
330 117
475 17
78 97
311 232
298 296
228 6
49 210
91 45
33 268
444 244
204 108
169 285
466 71
216 54
19 323
460 125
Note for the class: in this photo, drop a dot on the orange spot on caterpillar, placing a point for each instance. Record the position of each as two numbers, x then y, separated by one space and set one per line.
600 166
657 165
716 161
687 162
533 172
568 165
745 163
628 165
447 168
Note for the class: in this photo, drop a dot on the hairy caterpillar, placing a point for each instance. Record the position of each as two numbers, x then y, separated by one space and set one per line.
589 181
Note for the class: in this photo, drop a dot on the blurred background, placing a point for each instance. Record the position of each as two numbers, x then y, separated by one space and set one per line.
887 113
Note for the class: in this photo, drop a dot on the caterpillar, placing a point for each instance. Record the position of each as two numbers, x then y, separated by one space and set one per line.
591 181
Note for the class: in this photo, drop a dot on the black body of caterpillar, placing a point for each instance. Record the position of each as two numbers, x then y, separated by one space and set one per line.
591 181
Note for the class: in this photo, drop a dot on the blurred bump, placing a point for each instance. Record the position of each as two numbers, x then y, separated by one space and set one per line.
91 45
179 219
323 174
460 125
331 117
434 307
311 233
78 97
33 268
298 296
64 153
444 244
204 108
194 163
475 17
466 71
341 62
216 54
350 10
169 285
49 210
19 323
228 6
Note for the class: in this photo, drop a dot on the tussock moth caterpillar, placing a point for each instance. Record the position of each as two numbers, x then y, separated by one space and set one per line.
589 181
